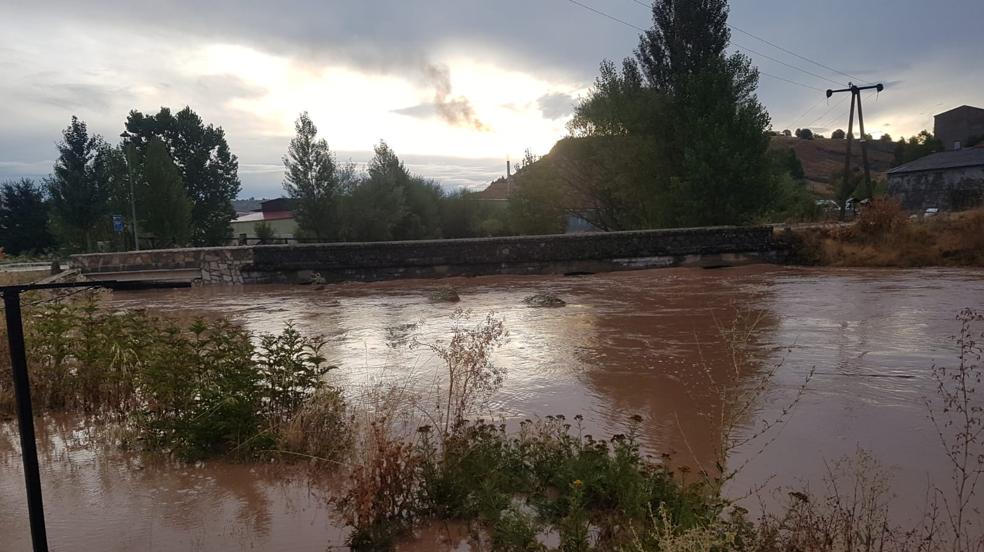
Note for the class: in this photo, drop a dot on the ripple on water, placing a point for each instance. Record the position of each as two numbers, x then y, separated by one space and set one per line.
627 343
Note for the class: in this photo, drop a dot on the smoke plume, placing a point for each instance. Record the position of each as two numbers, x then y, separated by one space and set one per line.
455 110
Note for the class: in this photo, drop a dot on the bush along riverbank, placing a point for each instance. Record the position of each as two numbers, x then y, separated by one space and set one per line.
884 236
192 389
397 461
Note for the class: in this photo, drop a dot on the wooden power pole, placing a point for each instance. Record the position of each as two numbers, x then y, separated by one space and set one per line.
856 98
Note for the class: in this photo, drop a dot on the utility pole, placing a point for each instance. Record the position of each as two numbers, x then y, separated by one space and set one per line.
856 97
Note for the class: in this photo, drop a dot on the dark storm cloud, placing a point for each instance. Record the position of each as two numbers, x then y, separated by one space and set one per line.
74 96
379 35
924 44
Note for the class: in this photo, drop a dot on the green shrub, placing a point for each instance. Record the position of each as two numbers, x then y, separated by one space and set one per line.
194 389
201 393
594 494
291 370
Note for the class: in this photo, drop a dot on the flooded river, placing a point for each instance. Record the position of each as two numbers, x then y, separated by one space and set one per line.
626 343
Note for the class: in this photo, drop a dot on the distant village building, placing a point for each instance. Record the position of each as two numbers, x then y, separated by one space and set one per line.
278 214
948 181
957 127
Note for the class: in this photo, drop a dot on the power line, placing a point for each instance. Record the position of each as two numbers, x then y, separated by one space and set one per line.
638 28
792 53
764 74
827 112
790 65
603 14
805 113
839 112
778 47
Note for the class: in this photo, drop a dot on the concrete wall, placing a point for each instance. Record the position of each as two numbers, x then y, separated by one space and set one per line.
949 189
595 252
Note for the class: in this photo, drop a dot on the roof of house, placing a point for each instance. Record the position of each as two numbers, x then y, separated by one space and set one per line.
498 190
961 108
260 216
969 157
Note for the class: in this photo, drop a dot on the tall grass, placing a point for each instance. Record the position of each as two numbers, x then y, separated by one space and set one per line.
885 237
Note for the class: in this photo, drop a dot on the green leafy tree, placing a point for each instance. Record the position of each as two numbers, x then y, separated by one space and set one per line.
111 169
78 196
915 147
376 208
167 211
838 134
315 180
804 134
464 215
24 218
209 171
422 220
787 162
703 125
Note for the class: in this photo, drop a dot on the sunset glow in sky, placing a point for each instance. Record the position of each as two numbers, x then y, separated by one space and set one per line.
454 87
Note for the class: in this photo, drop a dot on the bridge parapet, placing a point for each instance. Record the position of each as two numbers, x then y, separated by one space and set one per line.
590 252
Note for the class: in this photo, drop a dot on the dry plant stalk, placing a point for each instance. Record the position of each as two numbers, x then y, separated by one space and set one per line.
740 392
958 416
472 376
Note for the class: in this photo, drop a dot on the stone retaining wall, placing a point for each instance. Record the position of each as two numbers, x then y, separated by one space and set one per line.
594 252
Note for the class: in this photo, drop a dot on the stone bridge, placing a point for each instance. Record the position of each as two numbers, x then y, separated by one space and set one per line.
336 262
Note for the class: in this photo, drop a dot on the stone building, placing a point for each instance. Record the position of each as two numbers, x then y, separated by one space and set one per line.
956 128
948 181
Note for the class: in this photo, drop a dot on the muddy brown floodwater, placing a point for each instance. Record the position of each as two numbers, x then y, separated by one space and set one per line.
626 343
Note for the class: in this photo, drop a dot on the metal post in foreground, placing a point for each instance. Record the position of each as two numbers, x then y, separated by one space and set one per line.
22 387
25 418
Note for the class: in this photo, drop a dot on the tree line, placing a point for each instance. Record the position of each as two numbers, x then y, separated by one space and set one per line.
182 178
673 136
178 170
335 202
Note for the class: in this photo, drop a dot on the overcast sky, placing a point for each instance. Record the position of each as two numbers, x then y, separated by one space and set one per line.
454 86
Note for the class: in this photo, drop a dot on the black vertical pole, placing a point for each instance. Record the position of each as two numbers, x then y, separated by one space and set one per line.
847 157
864 148
25 418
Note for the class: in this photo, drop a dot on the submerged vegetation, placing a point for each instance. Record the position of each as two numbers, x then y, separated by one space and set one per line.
400 460
193 389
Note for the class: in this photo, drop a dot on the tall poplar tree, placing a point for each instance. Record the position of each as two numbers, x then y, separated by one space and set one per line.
698 124
315 181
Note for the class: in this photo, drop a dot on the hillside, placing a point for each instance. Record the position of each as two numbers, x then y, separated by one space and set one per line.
823 157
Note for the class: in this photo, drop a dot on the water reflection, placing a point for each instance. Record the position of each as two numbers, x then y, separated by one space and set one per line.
627 343
100 499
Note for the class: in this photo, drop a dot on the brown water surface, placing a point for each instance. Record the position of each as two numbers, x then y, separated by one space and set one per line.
626 343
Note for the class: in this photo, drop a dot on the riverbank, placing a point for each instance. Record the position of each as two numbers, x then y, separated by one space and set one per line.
884 236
